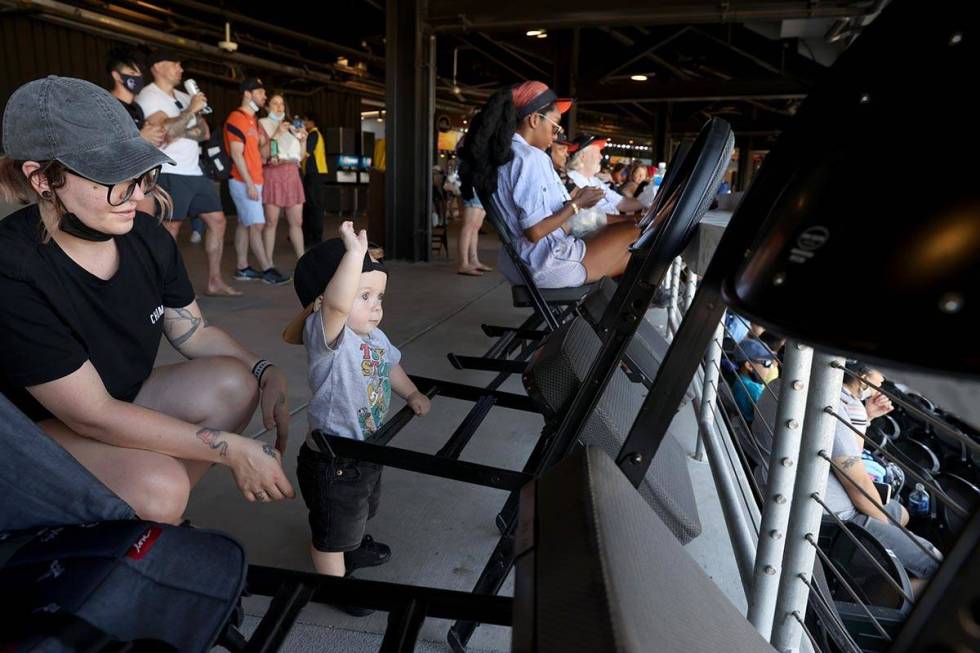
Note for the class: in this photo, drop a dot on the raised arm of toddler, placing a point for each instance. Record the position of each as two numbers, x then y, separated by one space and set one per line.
339 295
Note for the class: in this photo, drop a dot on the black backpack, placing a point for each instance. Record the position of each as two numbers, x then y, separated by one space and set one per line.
79 571
214 160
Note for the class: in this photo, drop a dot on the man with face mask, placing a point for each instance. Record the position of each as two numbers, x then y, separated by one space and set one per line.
851 483
127 82
193 194
248 145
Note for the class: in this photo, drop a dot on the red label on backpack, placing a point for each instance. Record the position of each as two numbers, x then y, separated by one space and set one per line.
143 545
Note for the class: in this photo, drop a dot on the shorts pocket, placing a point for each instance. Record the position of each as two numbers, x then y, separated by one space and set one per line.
344 472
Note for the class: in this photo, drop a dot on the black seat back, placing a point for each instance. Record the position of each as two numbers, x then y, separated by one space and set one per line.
509 241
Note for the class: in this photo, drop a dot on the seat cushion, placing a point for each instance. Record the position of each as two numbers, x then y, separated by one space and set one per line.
552 379
610 576
554 296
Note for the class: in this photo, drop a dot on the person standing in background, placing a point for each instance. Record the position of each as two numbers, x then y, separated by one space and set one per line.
283 187
314 177
127 82
192 192
247 145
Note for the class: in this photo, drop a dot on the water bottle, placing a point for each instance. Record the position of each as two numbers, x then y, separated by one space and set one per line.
192 89
919 501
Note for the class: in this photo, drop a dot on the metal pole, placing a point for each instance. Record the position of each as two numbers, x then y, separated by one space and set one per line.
675 287
709 388
805 514
690 287
743 540
779 491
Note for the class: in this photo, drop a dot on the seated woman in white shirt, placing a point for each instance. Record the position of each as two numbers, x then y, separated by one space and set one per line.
504 156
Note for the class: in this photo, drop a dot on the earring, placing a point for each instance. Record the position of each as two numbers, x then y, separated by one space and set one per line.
47 195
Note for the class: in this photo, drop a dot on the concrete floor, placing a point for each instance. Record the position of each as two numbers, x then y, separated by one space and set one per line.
441 532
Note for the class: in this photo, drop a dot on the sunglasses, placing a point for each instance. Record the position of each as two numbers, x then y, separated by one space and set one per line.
119 194
557 130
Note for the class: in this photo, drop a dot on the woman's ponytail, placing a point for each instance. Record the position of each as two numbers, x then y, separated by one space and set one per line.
487 144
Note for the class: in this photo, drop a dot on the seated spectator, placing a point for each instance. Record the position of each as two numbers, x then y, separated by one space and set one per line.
619 175
504 156
582 167
859 403
605 172
753 361
559 158
637 179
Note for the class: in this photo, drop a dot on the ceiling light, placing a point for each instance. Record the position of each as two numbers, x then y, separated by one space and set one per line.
543 35
535 32
464 121
639 78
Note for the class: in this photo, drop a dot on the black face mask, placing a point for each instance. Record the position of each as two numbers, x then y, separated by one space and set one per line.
133 83
72 225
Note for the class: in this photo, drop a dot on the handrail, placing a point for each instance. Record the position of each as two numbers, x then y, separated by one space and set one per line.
783 464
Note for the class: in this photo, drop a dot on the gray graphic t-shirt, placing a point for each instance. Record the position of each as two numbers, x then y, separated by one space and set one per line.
350 380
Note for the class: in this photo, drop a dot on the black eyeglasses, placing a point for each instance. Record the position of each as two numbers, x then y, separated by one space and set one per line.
119 194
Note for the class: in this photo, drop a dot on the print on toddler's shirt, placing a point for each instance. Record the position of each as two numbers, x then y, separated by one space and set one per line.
377 372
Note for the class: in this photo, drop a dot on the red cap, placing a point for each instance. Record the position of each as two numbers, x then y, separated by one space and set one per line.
532 96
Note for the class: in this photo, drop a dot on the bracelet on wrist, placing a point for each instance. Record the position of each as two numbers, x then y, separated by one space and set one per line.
574 208
259 369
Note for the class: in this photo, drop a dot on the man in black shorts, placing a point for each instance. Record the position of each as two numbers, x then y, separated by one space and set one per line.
192 192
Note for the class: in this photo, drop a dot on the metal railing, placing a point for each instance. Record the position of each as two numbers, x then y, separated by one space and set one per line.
778 559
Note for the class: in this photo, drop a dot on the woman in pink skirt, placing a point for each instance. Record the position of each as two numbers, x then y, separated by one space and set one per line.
283 186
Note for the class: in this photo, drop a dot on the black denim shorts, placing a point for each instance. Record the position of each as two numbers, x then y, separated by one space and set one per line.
341 495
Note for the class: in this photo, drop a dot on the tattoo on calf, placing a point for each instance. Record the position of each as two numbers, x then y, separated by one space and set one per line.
180 324
212 438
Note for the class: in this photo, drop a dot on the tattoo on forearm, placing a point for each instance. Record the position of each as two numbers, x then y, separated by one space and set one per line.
197 133
849 462
213 439
180 325
270 450
177 126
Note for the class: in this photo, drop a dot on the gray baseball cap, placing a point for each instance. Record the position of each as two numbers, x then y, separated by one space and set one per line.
79 124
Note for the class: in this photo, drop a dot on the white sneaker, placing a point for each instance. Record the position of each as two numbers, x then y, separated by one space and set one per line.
195 237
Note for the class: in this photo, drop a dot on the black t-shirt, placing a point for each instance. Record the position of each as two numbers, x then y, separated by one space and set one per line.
55 315
135 112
